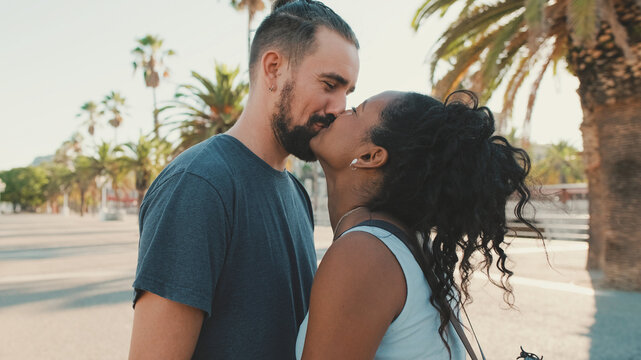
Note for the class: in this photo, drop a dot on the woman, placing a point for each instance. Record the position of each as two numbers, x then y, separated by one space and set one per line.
429 169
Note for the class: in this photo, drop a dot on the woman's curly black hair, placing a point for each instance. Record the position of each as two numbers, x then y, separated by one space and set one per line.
448 179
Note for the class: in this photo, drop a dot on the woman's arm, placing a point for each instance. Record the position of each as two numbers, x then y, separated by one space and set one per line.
358 290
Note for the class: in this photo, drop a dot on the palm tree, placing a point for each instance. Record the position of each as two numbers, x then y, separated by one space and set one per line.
84 175
561 164
146 158
69 149
503 42
109 163
208 108
114 104
252 7
151 57
90 110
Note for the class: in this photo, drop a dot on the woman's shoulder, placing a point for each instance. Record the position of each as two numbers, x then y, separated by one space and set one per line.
360 249
360 265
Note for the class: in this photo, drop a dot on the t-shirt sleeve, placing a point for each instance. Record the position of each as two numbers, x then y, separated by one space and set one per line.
183 241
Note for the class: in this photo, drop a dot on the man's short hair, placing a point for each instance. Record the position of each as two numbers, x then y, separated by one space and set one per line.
291 28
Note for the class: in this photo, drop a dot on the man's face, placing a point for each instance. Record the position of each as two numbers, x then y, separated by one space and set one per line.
315 93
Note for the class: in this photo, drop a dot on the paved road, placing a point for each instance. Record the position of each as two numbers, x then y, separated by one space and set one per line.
65 293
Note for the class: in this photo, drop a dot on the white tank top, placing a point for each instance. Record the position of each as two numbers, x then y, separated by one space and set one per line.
414 333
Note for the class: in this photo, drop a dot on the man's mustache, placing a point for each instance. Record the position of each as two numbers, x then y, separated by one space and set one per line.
324 120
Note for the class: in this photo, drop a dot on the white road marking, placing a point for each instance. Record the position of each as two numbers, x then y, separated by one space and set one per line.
553 285
579 246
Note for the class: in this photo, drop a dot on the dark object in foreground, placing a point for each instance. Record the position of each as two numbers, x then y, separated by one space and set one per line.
528 356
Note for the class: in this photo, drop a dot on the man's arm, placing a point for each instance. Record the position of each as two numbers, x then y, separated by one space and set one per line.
164 329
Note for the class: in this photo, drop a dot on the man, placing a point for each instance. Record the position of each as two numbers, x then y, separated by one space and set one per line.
226 257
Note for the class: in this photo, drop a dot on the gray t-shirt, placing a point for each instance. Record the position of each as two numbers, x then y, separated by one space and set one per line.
224 232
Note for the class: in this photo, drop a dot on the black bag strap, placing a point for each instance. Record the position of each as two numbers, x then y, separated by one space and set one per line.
431 280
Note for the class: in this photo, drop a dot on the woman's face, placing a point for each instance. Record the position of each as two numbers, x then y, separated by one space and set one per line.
348 136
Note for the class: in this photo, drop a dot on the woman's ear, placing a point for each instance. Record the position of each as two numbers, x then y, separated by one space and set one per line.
271 64
374 158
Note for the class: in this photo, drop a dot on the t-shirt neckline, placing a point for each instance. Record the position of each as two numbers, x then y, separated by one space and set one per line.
256 158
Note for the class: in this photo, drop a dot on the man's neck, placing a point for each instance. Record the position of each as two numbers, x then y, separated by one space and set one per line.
254 130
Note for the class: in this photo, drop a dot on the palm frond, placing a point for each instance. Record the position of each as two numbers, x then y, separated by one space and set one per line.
465 58
204 81
515 82
513 47
583 21
559 51
535 19
533 92
470 28
489 69
428 9
483 17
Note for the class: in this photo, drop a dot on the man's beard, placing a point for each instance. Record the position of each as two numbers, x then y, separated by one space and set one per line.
295 140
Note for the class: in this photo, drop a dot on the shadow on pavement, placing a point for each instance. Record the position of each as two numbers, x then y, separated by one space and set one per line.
69 297
56 252
616 330
72 233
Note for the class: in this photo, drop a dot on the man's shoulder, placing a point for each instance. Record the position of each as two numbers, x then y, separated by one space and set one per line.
212 160
206 159
208 164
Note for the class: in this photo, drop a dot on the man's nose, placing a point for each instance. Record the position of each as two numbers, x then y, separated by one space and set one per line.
337 104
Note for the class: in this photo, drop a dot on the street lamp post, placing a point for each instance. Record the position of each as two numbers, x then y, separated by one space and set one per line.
65 206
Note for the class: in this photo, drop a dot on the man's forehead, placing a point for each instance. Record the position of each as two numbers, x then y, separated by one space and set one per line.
334 57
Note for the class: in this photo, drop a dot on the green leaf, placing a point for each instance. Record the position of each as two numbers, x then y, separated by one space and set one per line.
583 20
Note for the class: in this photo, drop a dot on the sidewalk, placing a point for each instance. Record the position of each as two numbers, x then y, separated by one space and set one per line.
65 293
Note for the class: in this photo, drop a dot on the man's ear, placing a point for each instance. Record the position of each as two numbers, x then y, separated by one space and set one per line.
272 63
374 158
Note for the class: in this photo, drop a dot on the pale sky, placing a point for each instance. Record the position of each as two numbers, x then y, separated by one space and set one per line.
57 54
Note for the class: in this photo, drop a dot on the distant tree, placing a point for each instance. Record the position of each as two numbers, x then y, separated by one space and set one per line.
150 56
90 111
252 7
59 180
146 158
114 104
25 187
562 164
208 108
69 149
84 175
109 162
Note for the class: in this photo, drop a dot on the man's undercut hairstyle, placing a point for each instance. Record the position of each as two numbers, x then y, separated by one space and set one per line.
291 29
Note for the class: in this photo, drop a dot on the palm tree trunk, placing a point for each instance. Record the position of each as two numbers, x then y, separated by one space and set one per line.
82 202
592 161
156 124
618 181
609 87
